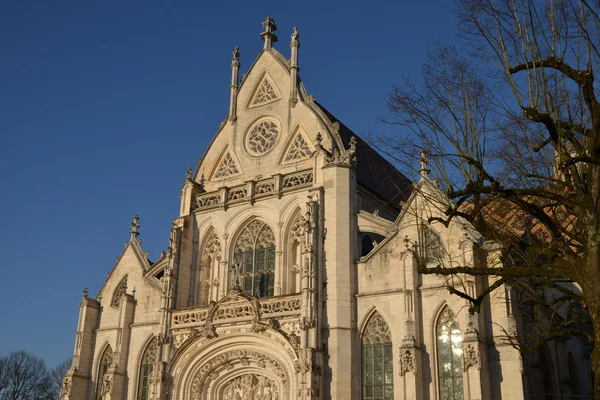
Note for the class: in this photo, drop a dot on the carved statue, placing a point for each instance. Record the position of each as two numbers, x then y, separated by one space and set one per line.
234 275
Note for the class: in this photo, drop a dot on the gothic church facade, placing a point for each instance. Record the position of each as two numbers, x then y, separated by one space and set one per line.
291 274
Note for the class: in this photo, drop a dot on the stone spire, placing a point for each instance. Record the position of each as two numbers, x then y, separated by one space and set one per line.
294 45
134 227
268 36
233 88
424 171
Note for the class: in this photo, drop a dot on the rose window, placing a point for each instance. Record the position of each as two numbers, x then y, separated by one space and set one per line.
262 137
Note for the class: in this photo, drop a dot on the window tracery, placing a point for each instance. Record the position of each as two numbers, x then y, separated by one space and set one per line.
262 137
265 94
434 248
105 361
227 167
294 244
378 376
449 356
146 368
254 251
298 149
211 255
120 291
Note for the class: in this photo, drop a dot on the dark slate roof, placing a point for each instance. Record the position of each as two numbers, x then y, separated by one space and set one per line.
373 171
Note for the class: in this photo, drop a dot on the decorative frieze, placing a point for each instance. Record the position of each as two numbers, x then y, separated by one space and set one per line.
408 361
211 199
237 194
189 317
297 179
471 356
264 187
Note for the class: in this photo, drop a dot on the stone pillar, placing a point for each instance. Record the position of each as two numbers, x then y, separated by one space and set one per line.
294 45
339 182
233 88
75 383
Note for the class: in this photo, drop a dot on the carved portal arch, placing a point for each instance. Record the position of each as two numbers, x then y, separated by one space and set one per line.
208 368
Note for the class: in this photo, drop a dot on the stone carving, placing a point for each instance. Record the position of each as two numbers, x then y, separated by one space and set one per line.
298 179
234 277
120 291
298 149
265 94
65 390
189 317
213 246
208 200
236 194
227 361
471 357
150 354
251 387
408 362
227 167
281 306
262 137
341 156
306 323
107 385
264 187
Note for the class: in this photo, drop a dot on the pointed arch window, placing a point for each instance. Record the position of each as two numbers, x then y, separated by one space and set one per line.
377 360
209 273
119 293
449 356
146 367
254 251
105 361
434 248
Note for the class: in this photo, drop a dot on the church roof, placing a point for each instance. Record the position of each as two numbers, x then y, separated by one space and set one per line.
373 171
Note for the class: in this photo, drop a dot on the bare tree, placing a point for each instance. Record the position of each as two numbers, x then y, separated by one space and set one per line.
23 377
513 133
55 378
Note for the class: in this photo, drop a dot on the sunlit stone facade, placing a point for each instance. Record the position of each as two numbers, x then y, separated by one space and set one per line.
291 274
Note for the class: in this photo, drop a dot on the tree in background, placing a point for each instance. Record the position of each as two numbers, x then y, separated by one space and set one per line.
512 129
55 378
23 377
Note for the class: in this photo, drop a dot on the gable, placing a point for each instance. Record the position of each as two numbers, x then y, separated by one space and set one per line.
297 148
227 165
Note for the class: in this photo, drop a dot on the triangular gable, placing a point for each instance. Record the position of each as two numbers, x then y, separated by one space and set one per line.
265 92
297 148
227 166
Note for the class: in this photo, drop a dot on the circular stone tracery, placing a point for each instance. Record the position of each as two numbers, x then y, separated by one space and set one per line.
262 137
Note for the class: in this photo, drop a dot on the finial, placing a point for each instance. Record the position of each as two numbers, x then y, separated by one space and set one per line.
352 148
424 172
85 293
202 181
188 173
236 55
134 227
295 38
268 36
406 241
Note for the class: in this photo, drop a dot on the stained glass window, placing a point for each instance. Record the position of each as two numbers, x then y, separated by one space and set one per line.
119 293
255 253
146 369
377 360
105 362
434 249
449 357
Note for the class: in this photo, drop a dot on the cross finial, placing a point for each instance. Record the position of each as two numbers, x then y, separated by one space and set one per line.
134 227
85 293
424 171
268 36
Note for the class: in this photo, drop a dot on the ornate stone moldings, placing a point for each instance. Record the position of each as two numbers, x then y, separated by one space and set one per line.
120 291
237 193
341 156
227 167
281 306
408 361
264 94
264 187
297 179
65 390
298 149
107 385
189 317
211 369
471 356
251 387
208 200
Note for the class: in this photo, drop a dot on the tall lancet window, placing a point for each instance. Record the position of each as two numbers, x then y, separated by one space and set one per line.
449 356
294 256
146 367
209 270
105 361
254 251
377 360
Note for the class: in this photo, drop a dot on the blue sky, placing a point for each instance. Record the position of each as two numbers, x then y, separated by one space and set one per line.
104 104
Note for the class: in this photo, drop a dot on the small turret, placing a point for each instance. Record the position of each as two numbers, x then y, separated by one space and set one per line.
424 171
